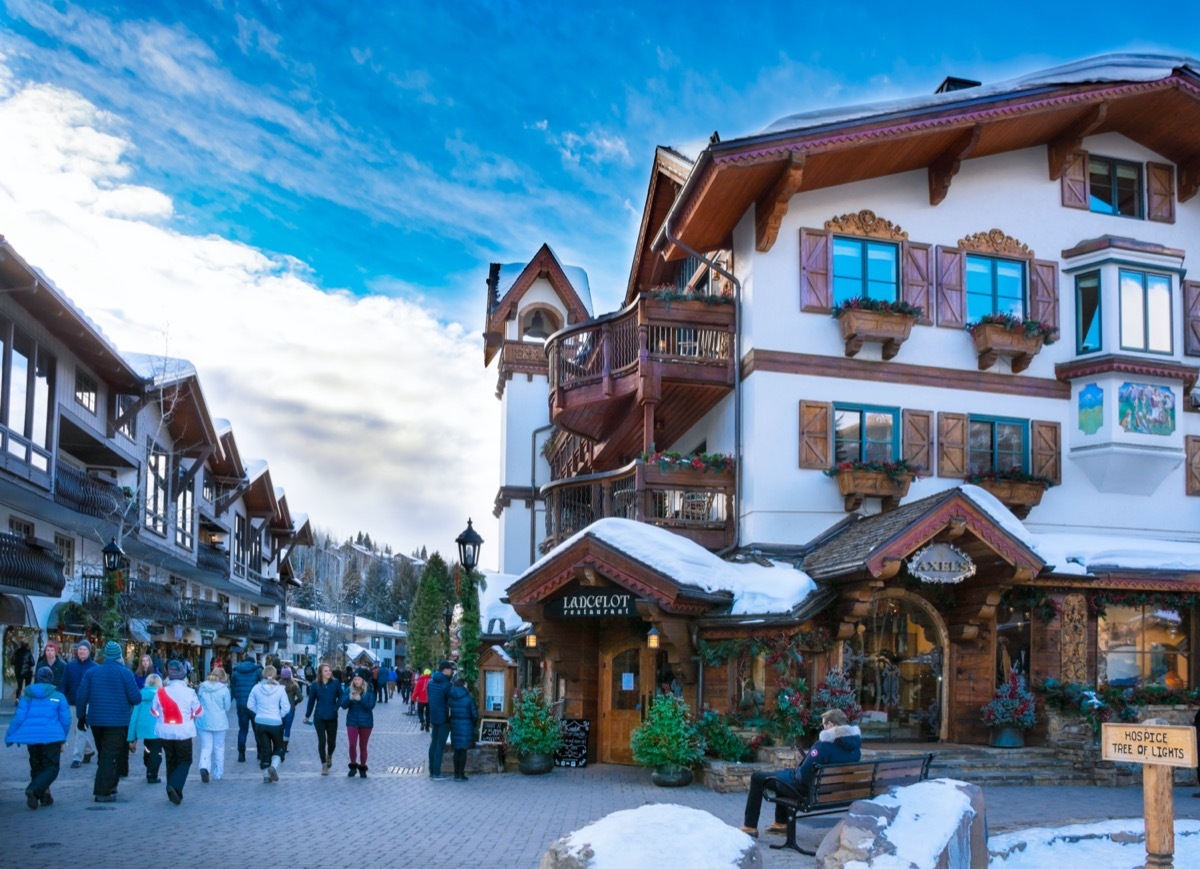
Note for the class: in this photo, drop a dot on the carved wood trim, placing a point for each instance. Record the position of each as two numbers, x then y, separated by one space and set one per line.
866 223
947 164
1074 639
1189 179
995 241
1060 149
773 206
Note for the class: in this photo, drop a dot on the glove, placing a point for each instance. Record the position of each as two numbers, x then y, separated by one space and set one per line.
133 746
82 725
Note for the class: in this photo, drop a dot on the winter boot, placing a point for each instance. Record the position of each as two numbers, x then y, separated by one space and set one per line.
283 751
362 771
353 770
241 755
324 764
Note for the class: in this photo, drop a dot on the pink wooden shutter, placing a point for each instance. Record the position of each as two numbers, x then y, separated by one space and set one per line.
1075 192
816 267
951 299
915 281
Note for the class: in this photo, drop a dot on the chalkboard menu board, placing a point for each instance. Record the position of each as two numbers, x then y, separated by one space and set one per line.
492 729
574 750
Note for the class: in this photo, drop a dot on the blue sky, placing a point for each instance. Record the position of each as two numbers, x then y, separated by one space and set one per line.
356 150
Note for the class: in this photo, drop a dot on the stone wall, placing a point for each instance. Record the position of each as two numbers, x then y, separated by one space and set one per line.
1071 738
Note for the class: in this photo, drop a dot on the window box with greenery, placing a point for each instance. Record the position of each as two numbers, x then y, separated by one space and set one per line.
669 742
533 733
1007 335
864 319
1010 712
858 479
1018 490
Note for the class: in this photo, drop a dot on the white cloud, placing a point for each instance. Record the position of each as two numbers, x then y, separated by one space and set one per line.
372 413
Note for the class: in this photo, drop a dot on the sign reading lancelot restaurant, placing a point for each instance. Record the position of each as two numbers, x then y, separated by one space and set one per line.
610 602
942 563
1166 744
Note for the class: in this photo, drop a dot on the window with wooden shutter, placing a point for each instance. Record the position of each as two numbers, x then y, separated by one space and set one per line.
917 436
1043 292
1191 318
1075 181
816 434
952 445
815 266
1191 445
1045 450
951 305
915 279
1160 192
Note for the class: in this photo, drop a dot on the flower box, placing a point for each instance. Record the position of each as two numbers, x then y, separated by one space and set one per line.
993 340
1017 495
857 484
887 327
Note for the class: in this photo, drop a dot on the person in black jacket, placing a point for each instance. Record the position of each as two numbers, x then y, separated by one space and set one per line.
324 698
840 742
242 680
22 664
56 664
463 715
439 717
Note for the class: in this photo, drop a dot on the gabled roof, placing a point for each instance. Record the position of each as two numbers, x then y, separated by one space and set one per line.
183 406
52 308
227 464
259 497
511 283
1153 100
667 176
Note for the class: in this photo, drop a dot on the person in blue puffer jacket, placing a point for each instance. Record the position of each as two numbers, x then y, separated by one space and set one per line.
324 698
41 724
144 726
463 714
242 680
105 702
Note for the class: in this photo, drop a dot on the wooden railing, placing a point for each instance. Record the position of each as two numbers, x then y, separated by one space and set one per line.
31 565
649 329
209 557
84 493
244 625
568 454
138 598
696 504
202 613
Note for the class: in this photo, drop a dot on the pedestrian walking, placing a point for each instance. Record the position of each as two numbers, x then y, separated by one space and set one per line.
269 703
324 699
56 664
177 707
213 723
392 678
105 702
241 682
22 664
144 668
463 714
295 698
144 726
41 724
421 696
439 717
358 702
404 681
83 741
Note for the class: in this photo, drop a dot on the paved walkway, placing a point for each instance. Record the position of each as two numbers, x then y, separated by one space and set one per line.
400 818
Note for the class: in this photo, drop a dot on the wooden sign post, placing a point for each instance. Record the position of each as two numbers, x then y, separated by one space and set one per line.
1160 746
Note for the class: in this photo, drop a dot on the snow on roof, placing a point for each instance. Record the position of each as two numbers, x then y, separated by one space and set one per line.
160 370
1119 67
255 468
504 656
509 272
1081 554
354 651
490 606
756 589
223 427
343 620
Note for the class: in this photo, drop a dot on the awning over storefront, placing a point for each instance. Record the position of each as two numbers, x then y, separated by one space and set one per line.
16 611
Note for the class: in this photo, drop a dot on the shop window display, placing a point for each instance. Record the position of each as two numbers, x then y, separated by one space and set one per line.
1142 645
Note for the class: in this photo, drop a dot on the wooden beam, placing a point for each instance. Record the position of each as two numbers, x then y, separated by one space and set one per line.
114 425
190 474
770 210
1189 179
1060 149
946 165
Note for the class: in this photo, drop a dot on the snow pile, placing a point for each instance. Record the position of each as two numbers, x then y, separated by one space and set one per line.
1118 844
655 836
756 589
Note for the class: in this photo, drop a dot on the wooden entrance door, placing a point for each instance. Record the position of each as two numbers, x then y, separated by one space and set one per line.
626 684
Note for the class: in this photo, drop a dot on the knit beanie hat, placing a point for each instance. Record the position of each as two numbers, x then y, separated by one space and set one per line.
50 645
83 644
112 651
45 674
285 673
176 670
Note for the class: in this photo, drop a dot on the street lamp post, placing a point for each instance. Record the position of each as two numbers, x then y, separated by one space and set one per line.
114 561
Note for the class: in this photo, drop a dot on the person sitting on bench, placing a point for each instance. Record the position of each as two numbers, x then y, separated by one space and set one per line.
840 742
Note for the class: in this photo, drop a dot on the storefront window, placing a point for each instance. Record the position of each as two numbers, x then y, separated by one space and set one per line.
1142 646
1012 639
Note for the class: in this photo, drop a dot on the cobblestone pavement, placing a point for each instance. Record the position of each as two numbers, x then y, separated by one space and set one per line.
399 817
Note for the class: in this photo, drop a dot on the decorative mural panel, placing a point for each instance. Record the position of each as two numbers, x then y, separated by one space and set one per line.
1074 639
1091 409
1146 409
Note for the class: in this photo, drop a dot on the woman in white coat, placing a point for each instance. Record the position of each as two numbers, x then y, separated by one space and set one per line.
212 724
269 702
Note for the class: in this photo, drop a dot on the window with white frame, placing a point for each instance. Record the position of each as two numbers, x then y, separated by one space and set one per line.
157 467
65 547
86 390
184 518
1145 300
20 527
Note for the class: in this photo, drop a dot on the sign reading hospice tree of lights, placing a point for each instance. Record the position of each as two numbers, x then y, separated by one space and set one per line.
942 563
1167 744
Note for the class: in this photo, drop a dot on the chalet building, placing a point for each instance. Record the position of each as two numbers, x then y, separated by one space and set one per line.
831 427
100 446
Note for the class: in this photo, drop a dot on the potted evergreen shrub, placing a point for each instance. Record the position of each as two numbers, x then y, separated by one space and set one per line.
1010 712
669 742
533 734
836 691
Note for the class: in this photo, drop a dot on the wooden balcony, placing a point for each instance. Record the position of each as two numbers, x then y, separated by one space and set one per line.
209 557
30 566
138 598
696 504
202 613
252 627
645 374
86 494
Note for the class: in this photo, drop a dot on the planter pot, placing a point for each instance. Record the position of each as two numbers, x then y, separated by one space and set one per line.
993 341
1007 737
856 485
888 328
671 776
535 764
1019 497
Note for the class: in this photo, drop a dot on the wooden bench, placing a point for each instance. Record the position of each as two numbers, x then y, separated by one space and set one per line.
835 786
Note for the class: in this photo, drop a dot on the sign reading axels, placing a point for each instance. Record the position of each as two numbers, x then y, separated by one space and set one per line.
1166 744
942 563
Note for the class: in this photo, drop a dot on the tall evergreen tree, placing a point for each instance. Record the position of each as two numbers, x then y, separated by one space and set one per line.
377 593
305 596
469 630
404 587
425 623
